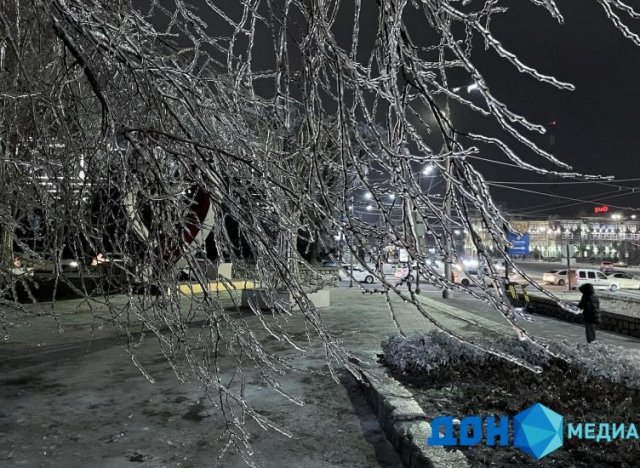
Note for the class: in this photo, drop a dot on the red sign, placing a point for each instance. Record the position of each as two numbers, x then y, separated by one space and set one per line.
601 209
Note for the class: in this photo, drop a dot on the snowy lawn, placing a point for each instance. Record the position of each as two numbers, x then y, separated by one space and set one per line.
594 383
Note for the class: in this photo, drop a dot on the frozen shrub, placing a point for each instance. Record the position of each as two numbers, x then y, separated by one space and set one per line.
422 353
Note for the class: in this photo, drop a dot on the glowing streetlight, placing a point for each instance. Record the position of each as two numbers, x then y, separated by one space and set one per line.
368 195
392 196
428 169
369 207
472 87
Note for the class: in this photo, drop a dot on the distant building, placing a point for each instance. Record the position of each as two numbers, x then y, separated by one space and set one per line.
597 237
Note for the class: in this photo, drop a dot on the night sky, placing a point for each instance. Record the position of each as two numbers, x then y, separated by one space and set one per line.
597 124
596 127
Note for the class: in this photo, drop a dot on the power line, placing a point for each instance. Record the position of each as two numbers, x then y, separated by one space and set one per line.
598 182
599 197
565 182
558 196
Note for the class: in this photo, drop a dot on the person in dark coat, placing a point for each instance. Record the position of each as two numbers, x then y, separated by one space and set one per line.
590 305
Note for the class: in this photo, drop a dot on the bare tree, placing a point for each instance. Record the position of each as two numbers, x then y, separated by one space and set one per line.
128 132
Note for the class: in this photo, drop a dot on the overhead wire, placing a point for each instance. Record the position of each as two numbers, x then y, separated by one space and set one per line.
594 199
562 182
536 192
548 205
599 196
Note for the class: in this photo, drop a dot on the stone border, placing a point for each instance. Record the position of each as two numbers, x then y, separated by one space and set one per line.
405 423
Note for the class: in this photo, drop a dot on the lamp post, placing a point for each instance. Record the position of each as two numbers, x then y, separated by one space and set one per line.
351 250
426 172
447 293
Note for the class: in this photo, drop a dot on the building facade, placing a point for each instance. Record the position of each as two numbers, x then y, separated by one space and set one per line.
597 238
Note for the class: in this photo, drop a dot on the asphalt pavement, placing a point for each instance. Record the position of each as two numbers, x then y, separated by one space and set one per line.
75 399
535 270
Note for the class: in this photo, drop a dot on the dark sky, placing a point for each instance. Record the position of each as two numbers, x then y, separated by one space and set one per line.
597 125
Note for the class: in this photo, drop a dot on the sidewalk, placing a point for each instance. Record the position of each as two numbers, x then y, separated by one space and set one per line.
67 401
479 314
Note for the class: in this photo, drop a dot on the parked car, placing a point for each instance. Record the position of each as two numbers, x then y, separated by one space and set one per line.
622 280
51 265
620 264
558 277
606 265
403 272
597 278
360 274
468 276
499 265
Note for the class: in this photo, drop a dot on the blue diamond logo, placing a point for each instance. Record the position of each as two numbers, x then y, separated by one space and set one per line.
537 431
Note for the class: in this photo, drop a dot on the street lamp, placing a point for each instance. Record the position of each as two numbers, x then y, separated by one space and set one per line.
447 293
351 247
428 169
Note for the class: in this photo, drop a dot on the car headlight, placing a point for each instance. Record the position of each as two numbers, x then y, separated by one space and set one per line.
73 264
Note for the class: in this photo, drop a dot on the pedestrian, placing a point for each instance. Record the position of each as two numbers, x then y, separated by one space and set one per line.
380 266
590 305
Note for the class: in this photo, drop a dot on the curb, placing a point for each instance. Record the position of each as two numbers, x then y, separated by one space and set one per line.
405 423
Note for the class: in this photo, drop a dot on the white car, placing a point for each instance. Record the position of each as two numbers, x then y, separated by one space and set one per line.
359 274
596 278
402 272
467 277
558 277
623 281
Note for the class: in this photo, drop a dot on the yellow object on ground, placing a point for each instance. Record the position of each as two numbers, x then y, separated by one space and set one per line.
217 286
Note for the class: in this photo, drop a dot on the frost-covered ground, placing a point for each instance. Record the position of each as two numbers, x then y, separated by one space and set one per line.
430 351
67 401
597 383
85 404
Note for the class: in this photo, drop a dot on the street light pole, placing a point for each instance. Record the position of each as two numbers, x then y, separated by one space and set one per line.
447 293
351 252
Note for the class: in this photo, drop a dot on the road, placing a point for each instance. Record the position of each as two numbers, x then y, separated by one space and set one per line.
535 270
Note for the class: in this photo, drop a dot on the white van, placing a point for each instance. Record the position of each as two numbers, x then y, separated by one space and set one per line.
599 280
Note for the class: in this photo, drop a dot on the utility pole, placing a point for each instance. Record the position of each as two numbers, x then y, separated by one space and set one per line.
447 293
506 252
351 251
418 230
568 267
